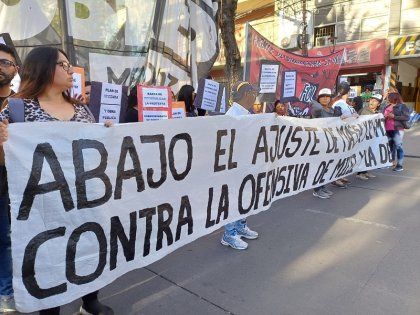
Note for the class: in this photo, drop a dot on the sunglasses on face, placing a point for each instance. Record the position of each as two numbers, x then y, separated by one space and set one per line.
7 63
66 66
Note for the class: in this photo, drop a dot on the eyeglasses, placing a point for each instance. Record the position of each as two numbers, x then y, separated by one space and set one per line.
66 66
7 63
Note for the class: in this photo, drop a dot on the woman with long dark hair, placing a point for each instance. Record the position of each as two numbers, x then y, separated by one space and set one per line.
186 95
395 114
45 82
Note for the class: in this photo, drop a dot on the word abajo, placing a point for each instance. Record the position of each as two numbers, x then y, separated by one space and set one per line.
45 151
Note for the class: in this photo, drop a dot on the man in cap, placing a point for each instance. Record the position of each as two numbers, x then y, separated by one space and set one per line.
243 95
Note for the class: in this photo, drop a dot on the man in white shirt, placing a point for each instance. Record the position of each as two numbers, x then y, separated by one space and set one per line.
243 95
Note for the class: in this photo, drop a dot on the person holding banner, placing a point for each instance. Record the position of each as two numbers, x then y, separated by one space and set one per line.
8 70
243 95
347 111
132 112
323 111
371 109
281 108
44 97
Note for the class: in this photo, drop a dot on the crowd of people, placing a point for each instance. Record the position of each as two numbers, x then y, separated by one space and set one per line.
46 77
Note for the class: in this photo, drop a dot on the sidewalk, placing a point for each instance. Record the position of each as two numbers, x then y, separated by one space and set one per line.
356 253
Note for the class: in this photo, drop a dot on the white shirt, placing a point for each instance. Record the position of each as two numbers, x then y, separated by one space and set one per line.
237 110
346 110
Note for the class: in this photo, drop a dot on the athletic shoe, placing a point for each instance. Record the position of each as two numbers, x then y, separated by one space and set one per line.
370 175
362 176
345 180
247 233
327 191
234 241
321 194
398 168
7 304
339 184
95 308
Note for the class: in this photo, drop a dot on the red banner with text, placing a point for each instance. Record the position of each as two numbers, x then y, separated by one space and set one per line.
292 78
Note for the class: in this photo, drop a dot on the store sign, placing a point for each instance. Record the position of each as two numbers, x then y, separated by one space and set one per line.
361 54
405 46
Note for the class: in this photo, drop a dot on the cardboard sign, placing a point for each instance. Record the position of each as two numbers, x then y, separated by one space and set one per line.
154 102
268 81
108 102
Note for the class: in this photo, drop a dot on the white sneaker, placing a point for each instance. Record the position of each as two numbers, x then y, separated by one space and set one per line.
362 176
7 304
234 241
247 233
321 194
327 191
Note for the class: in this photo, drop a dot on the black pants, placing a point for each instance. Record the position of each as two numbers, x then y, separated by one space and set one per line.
56 310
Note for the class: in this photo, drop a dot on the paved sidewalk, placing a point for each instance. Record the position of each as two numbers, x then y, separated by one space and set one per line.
356 253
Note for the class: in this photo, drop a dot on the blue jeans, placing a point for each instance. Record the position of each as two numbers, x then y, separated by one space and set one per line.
230 228
5 248
395 138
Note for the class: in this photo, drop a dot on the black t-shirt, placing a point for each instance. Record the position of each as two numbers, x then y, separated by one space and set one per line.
3 174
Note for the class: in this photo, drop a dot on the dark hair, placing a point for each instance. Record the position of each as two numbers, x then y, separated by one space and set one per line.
342 89
88 83
132 98
358 103
186 94
8 50
394 98
38 71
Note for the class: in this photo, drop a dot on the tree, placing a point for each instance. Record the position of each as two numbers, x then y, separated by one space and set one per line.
233 69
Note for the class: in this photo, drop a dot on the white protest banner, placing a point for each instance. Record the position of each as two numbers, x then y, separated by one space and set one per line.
89 203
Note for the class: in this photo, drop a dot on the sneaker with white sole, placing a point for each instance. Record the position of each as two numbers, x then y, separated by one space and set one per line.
339 184
327 191
234 241
370 175
7 304
247 233
398 168
320 194
362 176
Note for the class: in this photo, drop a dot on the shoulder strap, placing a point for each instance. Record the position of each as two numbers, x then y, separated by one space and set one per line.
89 112
16 109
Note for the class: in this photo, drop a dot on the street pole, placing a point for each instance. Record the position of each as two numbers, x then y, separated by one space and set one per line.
305 25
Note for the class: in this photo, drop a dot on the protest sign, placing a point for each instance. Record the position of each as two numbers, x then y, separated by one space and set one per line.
154 102
311 73
210 96
178 110
108 102
89 206
78 82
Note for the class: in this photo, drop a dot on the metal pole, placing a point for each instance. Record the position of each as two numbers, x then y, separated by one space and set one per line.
305 25
66 40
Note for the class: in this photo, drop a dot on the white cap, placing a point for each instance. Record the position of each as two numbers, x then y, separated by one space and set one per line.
377 97
324 91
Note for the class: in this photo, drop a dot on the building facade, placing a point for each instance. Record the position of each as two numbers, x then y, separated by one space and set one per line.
380 38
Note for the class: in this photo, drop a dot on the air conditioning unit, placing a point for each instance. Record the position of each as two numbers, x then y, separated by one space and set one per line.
289 42
322 41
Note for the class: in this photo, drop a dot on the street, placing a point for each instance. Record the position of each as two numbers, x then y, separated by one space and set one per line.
356 253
